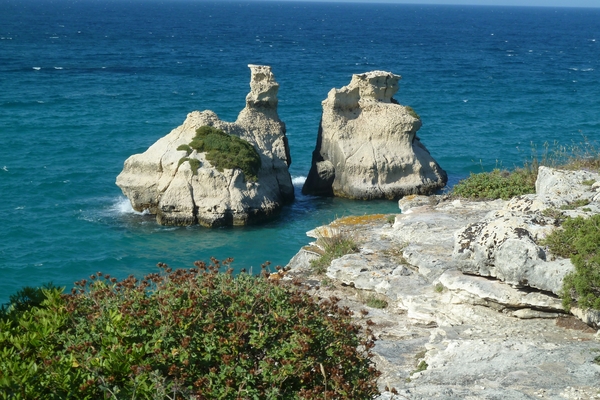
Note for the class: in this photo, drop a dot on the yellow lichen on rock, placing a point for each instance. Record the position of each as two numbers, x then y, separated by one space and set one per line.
358 220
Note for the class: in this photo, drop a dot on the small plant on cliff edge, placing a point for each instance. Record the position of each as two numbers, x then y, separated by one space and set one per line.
224 151
182 334
412 112
376 302
334 246
579 240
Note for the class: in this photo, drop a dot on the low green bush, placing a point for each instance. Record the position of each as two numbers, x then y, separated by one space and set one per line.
579 240
376 302
184 334
224 151
575 204
194 164
497 184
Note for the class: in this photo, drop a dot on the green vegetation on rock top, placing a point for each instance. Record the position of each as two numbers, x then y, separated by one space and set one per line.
224 151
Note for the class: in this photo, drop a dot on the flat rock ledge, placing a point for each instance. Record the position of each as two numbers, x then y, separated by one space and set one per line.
179 194
470 315
367 144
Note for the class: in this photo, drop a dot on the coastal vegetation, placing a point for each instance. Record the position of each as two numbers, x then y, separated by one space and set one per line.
412 112
497 184
374 301
579 240
179 334
504 184
223 151
332 246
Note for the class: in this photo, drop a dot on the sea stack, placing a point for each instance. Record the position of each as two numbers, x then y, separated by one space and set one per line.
367 147
177 179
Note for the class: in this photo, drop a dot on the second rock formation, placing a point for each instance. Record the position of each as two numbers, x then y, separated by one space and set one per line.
367 147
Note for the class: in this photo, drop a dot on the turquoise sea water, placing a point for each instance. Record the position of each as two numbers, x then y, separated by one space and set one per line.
85 84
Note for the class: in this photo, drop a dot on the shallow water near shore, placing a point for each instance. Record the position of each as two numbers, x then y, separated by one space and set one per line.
85 85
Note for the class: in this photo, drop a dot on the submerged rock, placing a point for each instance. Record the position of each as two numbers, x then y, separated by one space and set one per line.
183 188
367 147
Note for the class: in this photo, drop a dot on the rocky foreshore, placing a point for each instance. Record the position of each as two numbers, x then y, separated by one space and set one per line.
473 308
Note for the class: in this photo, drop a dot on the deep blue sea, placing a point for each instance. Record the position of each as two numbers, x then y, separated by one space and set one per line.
84 84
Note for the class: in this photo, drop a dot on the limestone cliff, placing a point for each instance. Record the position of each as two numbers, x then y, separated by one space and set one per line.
471 306
367 147
181 193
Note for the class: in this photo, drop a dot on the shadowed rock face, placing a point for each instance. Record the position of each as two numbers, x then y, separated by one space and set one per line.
156 180
367 146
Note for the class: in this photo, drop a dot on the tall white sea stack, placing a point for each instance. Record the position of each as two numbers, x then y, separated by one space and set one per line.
195 192
367 147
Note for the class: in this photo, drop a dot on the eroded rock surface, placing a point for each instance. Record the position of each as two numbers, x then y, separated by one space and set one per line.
497 331
156 180
367 147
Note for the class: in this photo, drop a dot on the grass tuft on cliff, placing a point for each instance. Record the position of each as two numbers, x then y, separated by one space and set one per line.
183 334
224 151
333 246
579 240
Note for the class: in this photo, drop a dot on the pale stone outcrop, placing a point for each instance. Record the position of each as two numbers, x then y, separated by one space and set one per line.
367 147
504 244
480 337
155 180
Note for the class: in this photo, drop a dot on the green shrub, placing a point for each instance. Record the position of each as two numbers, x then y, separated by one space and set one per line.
439 287
412 112
579 240
502 184
194 164
376 302
225 151
185 333
497 184
334 246
25 299
575 204
186 148
554 213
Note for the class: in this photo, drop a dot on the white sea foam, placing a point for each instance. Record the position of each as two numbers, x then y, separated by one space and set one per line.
37 68
58 67
587 69
123 206
298 181
5 168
